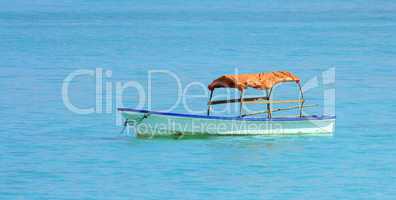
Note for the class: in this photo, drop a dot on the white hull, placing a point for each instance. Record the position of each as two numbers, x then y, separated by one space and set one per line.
149 124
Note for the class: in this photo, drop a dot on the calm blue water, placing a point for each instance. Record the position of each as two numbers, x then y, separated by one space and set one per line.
49 152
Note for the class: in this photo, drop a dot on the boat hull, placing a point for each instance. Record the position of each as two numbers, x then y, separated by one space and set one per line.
149 123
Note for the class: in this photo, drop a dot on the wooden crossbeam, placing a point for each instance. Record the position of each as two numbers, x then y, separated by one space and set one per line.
244 100
277 101
255 100
278 109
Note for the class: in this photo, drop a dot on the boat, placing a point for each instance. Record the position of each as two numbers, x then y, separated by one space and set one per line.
153 123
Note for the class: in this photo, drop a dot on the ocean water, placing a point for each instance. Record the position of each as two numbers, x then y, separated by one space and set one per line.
50 152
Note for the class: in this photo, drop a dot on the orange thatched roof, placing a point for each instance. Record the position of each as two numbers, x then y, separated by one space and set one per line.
257 81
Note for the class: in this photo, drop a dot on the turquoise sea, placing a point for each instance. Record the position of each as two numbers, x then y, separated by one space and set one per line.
50 152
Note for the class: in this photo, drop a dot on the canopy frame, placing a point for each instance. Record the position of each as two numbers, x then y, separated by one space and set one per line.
264 100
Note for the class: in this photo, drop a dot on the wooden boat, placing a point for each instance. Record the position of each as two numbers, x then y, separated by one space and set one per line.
152 123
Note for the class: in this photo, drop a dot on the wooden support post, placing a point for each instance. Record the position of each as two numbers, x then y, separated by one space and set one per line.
302 98
209 104
241 104
269 104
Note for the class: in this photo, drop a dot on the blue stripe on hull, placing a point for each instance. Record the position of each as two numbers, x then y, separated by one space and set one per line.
314 117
